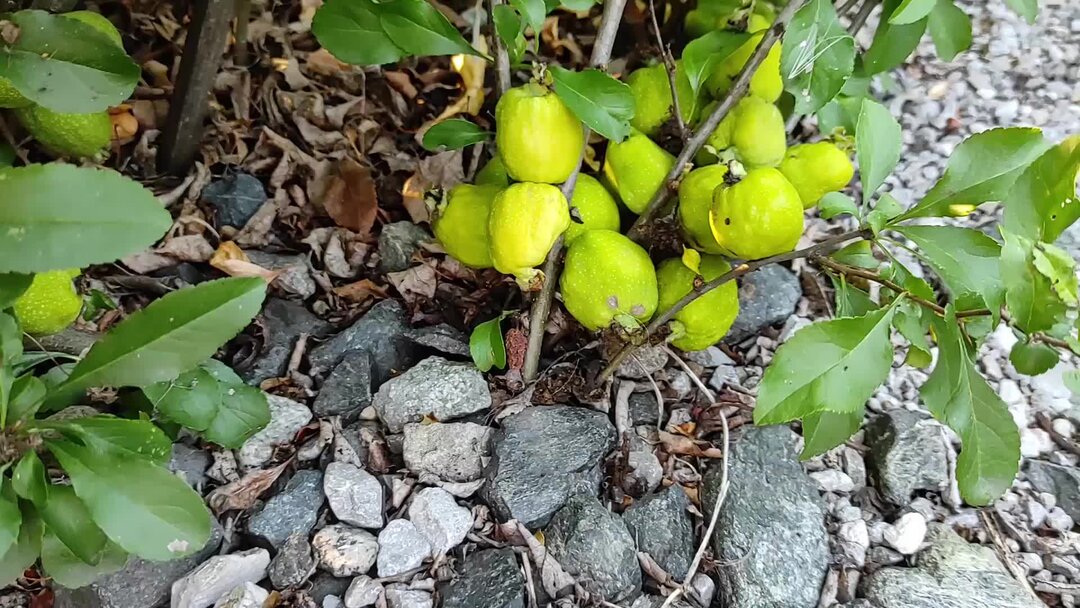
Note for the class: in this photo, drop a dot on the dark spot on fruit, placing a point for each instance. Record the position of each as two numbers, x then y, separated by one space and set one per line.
727 221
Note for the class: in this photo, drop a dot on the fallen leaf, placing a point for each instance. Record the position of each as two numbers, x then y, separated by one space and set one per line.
242 494
232 260
350 198
360 291
413 198
125 126
415 283
187 248
684 446
472 70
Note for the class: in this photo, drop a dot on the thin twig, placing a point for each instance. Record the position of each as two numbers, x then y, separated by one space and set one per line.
502 58
846 6
243 20
541 307
738 90
859 20
669 67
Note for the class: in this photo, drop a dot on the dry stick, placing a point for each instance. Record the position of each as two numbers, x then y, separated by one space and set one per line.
846 6
502 58
538 314
243 20
739 90
669 67
859 20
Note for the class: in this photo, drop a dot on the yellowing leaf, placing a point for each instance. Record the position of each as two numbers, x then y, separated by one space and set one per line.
232 260
691 258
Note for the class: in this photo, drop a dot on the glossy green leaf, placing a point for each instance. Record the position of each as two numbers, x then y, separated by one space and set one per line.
959 397
910 11
964 258
10 520
913 325
421 29
887 208
950 29
603 103
823 431
533 11
981 169
893 42
1059 267
877 146
12 285
60 216
1029 296
24 552
837 203
11 347
859 254
1033 358
840 115
487 346
65 568
29 479
142 507
67 517
27 395
1028 9
850 300
830 366
702 54
510 28
65 64
1043 201
128 439
818 56
352 32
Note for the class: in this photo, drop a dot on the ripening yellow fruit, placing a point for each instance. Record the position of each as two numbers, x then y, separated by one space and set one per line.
758 134
695 199
525 221
75 135
758 217
766 83
594 206
50 304
460 223
706 320
493 173
608 279
636 168
653 105
817 169
538 137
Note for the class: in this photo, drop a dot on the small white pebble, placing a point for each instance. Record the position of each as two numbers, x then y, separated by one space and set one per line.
907 534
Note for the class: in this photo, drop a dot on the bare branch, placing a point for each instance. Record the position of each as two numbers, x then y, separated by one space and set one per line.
859 20
669 67
502 58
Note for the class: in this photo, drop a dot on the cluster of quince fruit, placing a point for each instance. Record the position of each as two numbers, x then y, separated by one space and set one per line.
744 200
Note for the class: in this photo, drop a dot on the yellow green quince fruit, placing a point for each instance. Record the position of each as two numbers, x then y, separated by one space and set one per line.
493 173
695 199
636 168
99 22
461 223
608 279
75 135
50 304
758 133
526 219
707 319
594 206
816 170
766 83
10 97
538 137
758 217
653 105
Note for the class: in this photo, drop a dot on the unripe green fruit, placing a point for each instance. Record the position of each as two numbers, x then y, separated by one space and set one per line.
99 22
758 217
525 221
636 168
50 304
595 206
461 223
77 135
759 135
608 278
493 173
719 140
10 97
817 169
695 199
766 83
653 104
705 320
539 138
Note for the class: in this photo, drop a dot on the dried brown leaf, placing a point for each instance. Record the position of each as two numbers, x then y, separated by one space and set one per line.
350 198
187 248
684 446
361 291
242 494
232 260
418 282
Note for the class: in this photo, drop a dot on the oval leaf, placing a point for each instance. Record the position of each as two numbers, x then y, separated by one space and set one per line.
420 29
66 516
1042 202
454 134
24 552
877 145
964 258
65 568
818 56
352 32
893 42
702 54
604 104
950 29
533 11
487 346
29 479
910 11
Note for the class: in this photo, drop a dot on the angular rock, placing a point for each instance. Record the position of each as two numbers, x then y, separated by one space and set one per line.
951 573
400 596
593 545
907 453
323 586
293 564
283 322
643 470
643 409
347 390
382 332
248 595
442 521
644 363
355 496
190 464
661 527
487 579
287 417
767 296
363 591
435 386
397 244
344 550
217 576
771 528
441 338
907 534
541 456
236 198
451 451
401 548
1063 482
293 511
294 272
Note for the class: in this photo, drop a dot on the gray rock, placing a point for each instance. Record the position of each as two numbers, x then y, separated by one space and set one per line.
382 332
236 198
487 579
247 595
643 409
771 528
451 451
593 545
907 453
441 338
293 511
950 574
141 583
355 496
767 296
293 564
287 417
643 363
294 276
1063 482
397 244
215 577
401 548
364 591
661 526
438 517
283 322
347 390
324 585
400 596
345 551
190 464
643 470
435 386
541 456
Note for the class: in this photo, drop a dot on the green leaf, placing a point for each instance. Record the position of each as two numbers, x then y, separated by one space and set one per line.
352 32
24 552
68 518
818 56
142 507
65 64
1033 358
11 347
1058 266
910 11
830 366
69 571
1043 202
851 301
1028 9
837 203
877 146
887 207
577 5
859 254
27 395
421 29
10 521
1029 296
702 54
959 397
127 439
59 216
7 154
981 169
534 12
893 42
510 28
12 285
913 323
168 337
192 399
486 345
964 258
823 431
29 479
950 29
840 114
604 104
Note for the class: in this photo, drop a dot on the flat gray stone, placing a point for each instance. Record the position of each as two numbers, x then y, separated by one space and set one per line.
442 521
401 548
541 456
283 322
293 564
247 595
771 530
487 579
643 409
362 592
355 496
907 453
661 527
293 511
1063 482
397 244
436 387
190 464
767 296
451 451
287 417
345 551
347 390
236 198
207 583
593 545
400 596
382 331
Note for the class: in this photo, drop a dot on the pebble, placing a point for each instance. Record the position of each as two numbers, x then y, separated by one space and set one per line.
345 551
438 517
451 451
489 578
293 511
287 417
434 387
215 577
247 595
854 540
831 480
355 496
643 363
400 596
710 357
401 548
293 564
704 589
1057 519
906 534
363 591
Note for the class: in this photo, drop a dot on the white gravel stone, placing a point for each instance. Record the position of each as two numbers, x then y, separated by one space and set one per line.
438 517
402 548
364 591
355 496
287 417
1059 520
832 480
854 540
450 451
215 577
1035 443
248 595
345 551
906 534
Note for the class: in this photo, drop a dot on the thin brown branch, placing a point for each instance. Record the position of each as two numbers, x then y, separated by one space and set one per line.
846 6
738 90
502 58
672 71
243 20
859 20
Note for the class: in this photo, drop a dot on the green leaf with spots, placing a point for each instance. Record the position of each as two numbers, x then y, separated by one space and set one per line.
818 56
